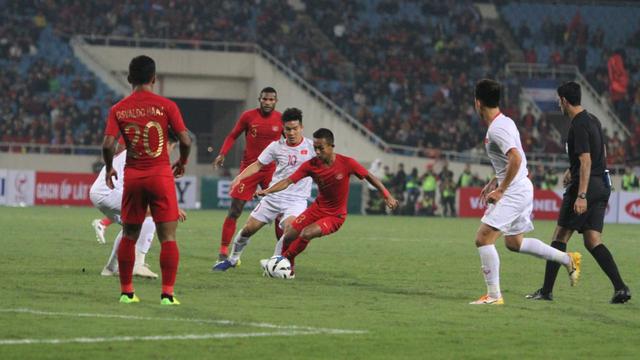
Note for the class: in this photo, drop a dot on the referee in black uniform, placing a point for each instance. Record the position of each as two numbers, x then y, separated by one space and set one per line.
586 196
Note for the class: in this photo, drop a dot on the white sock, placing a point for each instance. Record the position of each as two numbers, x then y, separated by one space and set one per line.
491 269
112 263
143 244
239 243
539 249
278 250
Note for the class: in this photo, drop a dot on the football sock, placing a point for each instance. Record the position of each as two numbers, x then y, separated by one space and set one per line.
539 249
551 270
239 243
105 221
279 249
608 265
491 269
169 259
278 230
126 259
228 229
113 258
297 246
144 241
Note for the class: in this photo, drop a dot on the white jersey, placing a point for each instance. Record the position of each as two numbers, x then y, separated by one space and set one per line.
100 187
288 159
502 136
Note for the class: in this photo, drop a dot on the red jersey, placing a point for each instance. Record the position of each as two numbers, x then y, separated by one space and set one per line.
143 119
332 180
260 131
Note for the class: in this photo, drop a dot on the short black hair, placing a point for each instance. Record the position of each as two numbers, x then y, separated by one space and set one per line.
323 133
488 92
141 70
570 91
268 89
292 114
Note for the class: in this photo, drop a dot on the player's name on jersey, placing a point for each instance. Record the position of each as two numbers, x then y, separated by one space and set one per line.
139 112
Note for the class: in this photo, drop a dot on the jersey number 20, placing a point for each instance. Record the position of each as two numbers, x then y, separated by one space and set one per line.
137 131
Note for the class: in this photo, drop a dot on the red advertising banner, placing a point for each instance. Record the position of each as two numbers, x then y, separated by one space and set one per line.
63 188
546 204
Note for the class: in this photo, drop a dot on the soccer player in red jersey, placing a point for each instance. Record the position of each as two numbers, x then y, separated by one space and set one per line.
144 118
261 126
331 172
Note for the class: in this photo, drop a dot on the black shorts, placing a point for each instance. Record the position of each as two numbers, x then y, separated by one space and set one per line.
597 200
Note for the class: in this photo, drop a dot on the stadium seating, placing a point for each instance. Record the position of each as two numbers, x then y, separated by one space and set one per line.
406 70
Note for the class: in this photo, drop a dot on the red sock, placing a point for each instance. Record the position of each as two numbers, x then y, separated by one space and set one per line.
297 246
126 259
169 259
106 221
279 231
228 229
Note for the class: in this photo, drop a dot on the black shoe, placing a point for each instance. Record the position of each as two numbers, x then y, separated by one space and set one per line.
621 296
539 295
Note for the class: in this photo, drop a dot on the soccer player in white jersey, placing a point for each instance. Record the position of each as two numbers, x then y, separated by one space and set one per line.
509 196
109 202
288 154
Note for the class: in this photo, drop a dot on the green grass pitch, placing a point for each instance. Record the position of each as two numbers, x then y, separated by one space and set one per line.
381 288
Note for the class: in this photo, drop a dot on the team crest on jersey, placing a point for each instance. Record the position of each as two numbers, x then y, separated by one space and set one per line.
304 152
339 177
274 128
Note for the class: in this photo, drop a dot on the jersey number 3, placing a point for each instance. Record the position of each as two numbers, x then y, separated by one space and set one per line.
137 131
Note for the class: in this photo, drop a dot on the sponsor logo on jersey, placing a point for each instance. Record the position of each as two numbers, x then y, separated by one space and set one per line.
275 128
304 152
339 176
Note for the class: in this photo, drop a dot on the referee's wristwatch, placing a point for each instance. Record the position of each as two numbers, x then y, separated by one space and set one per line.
582 195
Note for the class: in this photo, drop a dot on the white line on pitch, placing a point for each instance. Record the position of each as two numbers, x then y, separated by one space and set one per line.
203 321
87 340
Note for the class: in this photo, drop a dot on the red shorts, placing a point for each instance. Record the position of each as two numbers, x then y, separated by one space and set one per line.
328 223
247 187
157 193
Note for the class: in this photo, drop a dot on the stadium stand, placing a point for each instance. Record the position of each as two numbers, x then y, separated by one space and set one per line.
405 70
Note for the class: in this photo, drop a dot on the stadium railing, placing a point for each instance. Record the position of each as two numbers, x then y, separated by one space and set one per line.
34 148
565 72
554 160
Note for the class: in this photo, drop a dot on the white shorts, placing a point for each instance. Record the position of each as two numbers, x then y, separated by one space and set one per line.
512 214
109 204
269 208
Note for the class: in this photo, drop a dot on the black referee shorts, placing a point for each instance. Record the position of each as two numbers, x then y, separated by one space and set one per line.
597 200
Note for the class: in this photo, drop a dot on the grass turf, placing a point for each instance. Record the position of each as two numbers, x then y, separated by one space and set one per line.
404 281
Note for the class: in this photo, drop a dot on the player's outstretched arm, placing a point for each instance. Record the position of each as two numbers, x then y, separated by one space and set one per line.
248 171
279 186
107 155
239 127
391 202
185 148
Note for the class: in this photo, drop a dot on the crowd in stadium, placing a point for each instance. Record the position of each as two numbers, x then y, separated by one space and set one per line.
404 70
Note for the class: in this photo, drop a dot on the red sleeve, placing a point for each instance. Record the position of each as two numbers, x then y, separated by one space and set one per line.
112 128
240 126
357 169
303 171
175 119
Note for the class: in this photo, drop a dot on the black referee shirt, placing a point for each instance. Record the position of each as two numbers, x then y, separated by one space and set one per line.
585 136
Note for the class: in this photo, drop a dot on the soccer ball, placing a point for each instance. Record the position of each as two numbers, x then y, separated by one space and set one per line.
278 267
